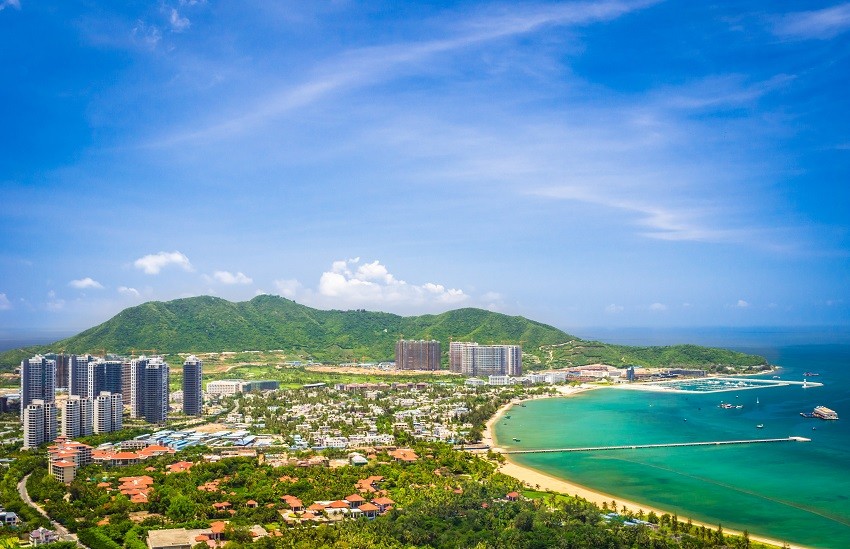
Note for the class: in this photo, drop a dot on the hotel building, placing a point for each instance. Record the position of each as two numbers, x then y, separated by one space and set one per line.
472 359
417 355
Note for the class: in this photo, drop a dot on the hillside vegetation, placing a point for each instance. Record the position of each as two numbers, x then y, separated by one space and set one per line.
210 324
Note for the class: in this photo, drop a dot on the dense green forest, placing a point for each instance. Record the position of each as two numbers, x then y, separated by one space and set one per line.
210 324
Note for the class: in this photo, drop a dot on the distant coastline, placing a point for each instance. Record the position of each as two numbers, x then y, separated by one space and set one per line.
543 481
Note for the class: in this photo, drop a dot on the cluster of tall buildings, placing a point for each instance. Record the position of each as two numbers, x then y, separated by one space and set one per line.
472 359
98 389
83 416
466 358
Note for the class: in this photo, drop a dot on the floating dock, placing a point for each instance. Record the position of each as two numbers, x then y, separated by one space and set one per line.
667 445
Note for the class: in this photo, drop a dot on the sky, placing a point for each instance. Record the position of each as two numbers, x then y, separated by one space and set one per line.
598 163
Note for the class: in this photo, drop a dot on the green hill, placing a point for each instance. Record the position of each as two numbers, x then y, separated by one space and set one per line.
210 324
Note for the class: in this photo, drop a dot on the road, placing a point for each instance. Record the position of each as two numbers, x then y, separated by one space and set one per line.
64 534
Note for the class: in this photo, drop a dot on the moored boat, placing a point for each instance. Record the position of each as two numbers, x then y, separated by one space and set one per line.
822 412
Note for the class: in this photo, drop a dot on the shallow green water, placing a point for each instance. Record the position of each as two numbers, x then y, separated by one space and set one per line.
791 491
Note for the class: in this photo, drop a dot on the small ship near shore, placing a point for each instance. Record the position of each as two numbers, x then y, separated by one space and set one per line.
821 412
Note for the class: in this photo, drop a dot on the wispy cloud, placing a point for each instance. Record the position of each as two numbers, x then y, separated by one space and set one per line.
820 24
5 304
226 277
10 4
368 66
719 91
289 287
178 23
146 34
741 304
85 283
125 290
658 307
54 303
154 263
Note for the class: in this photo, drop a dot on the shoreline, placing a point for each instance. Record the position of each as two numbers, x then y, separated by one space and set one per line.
543 481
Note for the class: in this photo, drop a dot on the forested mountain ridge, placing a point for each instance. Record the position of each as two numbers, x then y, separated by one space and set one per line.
211 324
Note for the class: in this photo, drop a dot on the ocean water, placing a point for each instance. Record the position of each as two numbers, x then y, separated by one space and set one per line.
790 491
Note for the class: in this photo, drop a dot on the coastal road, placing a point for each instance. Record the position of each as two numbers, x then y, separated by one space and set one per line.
64 534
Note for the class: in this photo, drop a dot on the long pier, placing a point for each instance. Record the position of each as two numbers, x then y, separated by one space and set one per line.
667 445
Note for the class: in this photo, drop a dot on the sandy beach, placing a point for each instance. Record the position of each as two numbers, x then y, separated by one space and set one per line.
541 481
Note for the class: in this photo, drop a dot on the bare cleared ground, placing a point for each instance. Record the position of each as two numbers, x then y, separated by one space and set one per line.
372 372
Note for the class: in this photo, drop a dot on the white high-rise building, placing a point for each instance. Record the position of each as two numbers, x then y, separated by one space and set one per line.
71 417
39 423
86 417
473 359
77 417
107 412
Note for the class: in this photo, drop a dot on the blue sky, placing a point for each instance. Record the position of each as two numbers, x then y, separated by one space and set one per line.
579 163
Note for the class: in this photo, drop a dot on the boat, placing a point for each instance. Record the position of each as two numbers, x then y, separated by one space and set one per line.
822 412
775 377
810 374
516 440
757 400
760 426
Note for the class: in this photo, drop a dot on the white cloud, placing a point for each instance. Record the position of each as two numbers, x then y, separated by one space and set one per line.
614 309
351 283
84 283
178 23
149 35
10 3
658 307
372 284
54 303
226 277
742 304
154 263
817 24
5 304
288 288
128 291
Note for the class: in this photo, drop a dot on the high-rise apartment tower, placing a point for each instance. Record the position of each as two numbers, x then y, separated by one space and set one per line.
193 398
417 355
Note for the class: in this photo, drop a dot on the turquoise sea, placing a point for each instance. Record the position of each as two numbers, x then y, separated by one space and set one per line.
790 491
